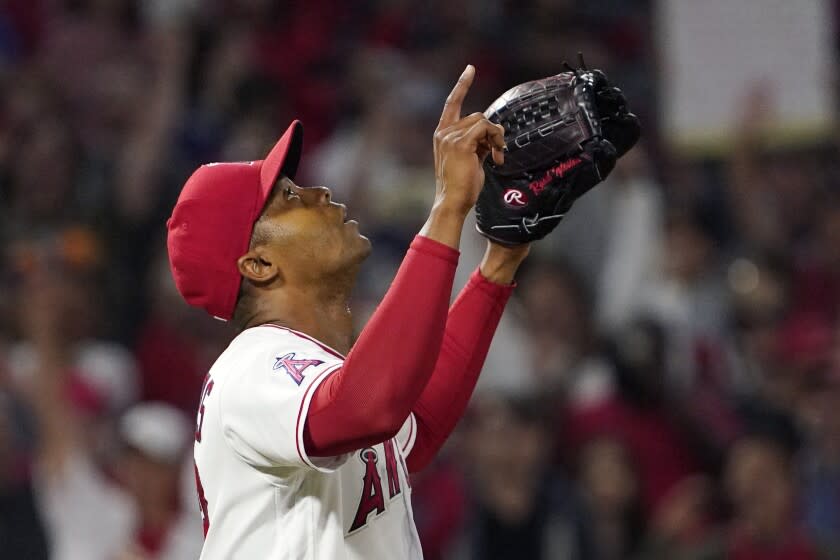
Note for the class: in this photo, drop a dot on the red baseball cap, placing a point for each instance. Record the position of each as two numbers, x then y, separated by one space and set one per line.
212 221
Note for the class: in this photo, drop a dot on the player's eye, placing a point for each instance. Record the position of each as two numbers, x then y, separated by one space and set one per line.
288 192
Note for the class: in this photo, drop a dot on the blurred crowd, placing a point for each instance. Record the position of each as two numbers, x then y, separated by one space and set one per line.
665 384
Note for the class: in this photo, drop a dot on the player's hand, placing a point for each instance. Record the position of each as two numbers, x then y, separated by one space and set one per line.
460 146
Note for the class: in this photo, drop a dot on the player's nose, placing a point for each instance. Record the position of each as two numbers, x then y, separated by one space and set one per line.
318 195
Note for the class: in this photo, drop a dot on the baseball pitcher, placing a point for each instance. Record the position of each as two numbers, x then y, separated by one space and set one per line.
305 441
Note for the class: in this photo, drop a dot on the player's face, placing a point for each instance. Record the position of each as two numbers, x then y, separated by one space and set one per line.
310 234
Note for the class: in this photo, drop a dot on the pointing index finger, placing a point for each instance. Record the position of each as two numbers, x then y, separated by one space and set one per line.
452 107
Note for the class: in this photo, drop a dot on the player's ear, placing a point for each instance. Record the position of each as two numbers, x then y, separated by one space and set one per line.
259 266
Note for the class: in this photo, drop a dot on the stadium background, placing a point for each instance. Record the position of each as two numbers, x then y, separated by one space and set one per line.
665 383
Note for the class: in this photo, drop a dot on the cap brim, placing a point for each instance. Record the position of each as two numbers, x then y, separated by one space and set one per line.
284 157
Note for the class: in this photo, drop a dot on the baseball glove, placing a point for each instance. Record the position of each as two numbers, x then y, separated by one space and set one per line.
563 135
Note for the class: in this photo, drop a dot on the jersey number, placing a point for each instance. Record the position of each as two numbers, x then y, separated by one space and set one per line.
202 501
205 392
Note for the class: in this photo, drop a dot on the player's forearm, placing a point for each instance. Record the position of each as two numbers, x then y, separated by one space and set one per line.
369 398
470 326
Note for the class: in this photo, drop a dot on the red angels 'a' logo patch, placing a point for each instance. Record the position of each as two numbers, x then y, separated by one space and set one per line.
514 197
294 367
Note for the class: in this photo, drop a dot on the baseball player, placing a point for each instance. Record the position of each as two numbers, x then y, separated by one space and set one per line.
304 445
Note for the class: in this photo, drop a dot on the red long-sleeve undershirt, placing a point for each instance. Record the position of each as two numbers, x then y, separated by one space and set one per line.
411 357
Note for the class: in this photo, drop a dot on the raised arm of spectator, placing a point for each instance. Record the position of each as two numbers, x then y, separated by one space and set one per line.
58 433
754 217
144 155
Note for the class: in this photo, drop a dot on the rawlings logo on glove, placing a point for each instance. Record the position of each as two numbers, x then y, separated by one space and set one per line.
564 134
514 197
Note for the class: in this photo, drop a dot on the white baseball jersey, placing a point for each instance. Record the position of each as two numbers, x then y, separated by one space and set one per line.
261 495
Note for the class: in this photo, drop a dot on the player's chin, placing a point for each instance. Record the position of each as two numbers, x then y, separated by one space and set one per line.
364 246
356 243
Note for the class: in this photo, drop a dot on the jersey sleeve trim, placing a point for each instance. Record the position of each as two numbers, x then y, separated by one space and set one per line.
299 334
304 410
412 435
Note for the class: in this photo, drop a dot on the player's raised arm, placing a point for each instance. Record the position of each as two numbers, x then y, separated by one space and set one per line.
367 401
546 181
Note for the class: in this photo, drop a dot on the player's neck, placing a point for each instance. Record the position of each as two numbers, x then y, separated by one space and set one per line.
330 324
322 314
